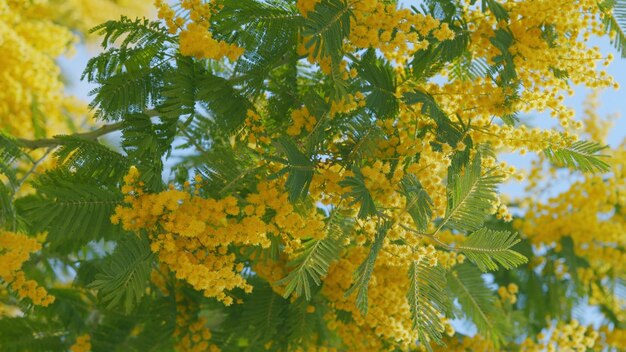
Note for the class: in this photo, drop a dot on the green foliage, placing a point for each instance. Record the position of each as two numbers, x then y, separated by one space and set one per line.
187 116
313 261
359 193
427 297
614 21
478 302
581 155
488 248
124 274
127 92
446 131
25 334
299 168
327 26
10 151
496 8
90 159
129 77
418 203
146 142
73 209
362 137
364 272
470 196
380 83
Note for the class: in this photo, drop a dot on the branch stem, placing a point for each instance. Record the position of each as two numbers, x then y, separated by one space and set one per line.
53 142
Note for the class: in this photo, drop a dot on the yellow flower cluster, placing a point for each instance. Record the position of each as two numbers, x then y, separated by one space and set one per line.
388 317
306 6
33 34
30 88
397 33
563 337
301 118
82 344
15 249
195 37
256 131
381 183
192 235
508 293
192 333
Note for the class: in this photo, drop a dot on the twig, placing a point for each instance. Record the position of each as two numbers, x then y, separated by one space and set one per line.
53 142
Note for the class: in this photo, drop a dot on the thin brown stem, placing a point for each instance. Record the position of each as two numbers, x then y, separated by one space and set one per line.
53 142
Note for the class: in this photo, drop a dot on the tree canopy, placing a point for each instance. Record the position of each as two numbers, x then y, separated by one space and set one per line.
310 175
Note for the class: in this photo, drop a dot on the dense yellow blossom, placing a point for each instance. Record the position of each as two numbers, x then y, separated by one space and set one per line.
82 344
221 242
15 249
33 34
563 337
195 37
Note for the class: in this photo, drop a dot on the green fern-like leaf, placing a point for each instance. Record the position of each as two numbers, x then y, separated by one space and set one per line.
91 159
25 334
327 26
359 193
446 131
268 31
364 272
362 137
317 255
115 61
478 302
180 90
227 105
146 142
380 83
263 314
581 155
73 210
10 151
418 203
488 248
470 196
299 168
125 274
138 32
427 300
127 92
467 68
614 20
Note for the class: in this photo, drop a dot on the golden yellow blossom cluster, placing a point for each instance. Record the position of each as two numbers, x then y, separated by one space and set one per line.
397 33
191 332
306 6
82 344
508 293
194 32
33 34
388 316
302 119
564 337
31 93
192 234
15 249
